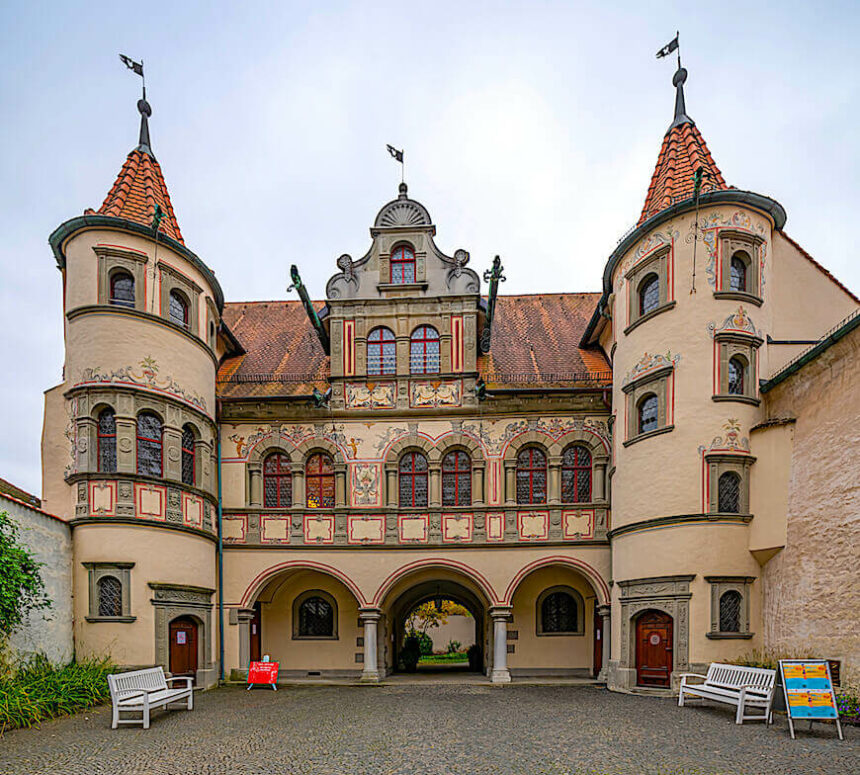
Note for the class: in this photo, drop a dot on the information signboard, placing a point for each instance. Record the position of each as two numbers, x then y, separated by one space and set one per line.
262 674
809 694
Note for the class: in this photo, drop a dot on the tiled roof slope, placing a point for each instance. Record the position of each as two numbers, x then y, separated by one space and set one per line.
535 344
684 150
138 188
7 488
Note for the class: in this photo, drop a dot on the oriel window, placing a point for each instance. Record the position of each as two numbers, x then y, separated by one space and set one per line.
107 441
149 444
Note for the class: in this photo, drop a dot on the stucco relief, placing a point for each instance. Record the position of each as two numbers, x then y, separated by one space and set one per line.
739 321
379 395
71 432
144 375
731 440
710 225
432 394
649 363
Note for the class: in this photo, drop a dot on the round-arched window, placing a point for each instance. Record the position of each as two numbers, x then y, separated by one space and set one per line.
456 479
277 481
381 351
178 309
316 618
738 268
729 493
109 596
424 351
558 614
647 414
412 479
730 611
576 475
148 444
188 458
107 441
531 476
402 264
649 293
122 290
737 372
319 481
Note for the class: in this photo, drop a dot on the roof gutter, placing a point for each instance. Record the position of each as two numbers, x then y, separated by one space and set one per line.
64 231
764 204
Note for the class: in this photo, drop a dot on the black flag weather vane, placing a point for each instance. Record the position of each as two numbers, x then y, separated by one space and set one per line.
398 156
671 46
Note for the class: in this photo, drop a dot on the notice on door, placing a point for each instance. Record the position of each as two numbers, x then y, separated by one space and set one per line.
180 638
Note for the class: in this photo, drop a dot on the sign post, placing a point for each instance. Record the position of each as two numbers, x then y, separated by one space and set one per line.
809 694
263 674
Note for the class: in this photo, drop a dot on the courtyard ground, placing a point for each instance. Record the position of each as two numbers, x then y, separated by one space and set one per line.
440 728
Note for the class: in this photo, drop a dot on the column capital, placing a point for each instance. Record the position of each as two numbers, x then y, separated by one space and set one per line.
501 612
369 614
245 614
604 610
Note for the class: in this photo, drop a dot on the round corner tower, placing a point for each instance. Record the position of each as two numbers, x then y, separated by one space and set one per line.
130 434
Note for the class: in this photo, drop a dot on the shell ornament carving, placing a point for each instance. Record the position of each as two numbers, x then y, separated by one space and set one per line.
402 214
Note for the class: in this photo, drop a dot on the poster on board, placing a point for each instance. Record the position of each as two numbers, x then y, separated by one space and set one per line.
263 674
809 694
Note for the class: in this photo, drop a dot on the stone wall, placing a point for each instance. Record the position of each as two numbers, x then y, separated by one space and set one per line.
48 630
812 586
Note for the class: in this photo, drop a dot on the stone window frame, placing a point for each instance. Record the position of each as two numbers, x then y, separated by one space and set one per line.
719 463
731 242
297 603
579 602
719 586
121 571
656 382
727 346
390 243
212 323
657 263
171 279
112 260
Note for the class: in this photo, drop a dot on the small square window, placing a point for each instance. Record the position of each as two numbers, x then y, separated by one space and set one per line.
109 591
730 607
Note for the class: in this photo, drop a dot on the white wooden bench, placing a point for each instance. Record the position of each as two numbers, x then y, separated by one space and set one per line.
744 687
140 691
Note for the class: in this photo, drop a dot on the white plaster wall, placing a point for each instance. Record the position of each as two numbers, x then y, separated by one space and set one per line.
461 628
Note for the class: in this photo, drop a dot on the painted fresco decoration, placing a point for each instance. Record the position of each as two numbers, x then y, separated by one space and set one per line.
432 394
146 374
738 321
711 224
730 441
370 395
296 434
652 242
494 443
71 434
648 363
365 484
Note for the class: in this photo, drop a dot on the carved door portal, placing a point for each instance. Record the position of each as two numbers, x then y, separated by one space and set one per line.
653 649
183 646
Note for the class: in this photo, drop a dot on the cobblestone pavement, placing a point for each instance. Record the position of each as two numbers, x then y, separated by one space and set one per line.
438 729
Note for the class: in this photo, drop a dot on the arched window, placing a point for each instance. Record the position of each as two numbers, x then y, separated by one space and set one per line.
277 481
319 481
729 493
109 596
381 351
413 479
424 351
188 460
148 444
576 475
402 265
456 479
106 437
531 476
649 293
122 290
730 611
737 371
738 280
316 618
178 309
647 420
559 614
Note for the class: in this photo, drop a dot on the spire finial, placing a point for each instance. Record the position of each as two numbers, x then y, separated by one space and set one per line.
145 112
681 116
403 191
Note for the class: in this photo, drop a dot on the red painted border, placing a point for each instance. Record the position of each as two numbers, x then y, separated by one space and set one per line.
593 576
261 578
413 567
468 539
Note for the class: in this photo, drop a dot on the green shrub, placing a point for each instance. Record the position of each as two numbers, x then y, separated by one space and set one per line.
37 690
454 646
411 653
425 643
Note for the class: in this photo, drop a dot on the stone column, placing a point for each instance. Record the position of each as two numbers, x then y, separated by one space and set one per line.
435 484
87 450
500 616
298 470
370 619
244 616
599 493
553 494
478 496
171 452
340 490
126 444
511 482
201 469
255 484
391 484
604 612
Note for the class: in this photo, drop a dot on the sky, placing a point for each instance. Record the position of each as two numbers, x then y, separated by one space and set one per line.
531 130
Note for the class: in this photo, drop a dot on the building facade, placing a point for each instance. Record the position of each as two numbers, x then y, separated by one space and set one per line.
599 478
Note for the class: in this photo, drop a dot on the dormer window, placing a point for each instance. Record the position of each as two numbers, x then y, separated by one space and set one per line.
402 265
424 351
381 351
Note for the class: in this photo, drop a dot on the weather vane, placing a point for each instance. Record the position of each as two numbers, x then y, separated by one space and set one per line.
398 156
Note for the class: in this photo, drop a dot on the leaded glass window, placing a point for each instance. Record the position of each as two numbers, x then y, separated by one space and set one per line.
424 351
122 290
456 479
319 481
649 294
729 493
277 481
148 444
558 613
188 455
413 479
738 280
106 437
381 351
531 476
403 265
178 309
736 376
648 413
316 618
576 475
730 611
110 596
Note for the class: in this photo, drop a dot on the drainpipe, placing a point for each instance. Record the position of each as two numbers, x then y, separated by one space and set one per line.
220 562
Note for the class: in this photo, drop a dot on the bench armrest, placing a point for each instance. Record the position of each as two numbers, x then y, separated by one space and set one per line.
125 693
181 678
685 676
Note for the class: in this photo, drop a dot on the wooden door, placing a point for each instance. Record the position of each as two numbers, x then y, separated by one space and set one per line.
256 635
653 649
598 643
183 646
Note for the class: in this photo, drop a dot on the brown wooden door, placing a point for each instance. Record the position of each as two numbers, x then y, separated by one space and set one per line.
598 642
653 649
256 635
183 646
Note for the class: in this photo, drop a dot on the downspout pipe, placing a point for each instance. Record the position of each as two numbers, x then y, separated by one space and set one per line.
220 561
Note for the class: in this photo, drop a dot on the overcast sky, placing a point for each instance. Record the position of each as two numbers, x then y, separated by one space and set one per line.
531 130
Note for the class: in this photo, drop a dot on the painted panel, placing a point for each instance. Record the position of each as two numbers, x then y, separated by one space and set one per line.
102 499
192 510
495 527
458 528
365 484
319 528
366 530
275 530
348 348
577 525
150 501
379 395
235 528
424 394
413 528
533 525
457 348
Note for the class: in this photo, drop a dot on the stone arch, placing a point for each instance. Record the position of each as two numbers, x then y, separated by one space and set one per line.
459 568
597 445
458 440
601 588
417 441
254 466
264 447
309 446
265 576
530 439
